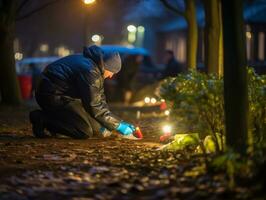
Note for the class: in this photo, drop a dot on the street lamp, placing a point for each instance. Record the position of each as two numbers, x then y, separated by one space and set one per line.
97 39
131 28
140 36
88 1
131 33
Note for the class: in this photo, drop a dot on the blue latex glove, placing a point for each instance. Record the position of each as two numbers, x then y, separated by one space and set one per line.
125 128
131 126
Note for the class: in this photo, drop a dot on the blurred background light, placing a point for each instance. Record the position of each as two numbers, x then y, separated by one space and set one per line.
131 28
167 129
147 100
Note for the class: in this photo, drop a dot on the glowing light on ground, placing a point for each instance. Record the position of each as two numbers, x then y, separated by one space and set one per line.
167 129
167 112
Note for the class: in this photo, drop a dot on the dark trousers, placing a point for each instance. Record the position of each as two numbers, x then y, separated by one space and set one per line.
67 116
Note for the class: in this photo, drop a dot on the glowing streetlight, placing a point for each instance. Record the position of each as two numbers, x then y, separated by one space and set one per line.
96 38
44 48
141 29
87 2
248 35
131 28
18 56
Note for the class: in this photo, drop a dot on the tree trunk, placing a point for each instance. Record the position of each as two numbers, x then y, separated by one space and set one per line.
9 88
212 35
221 44
235 76
192 38
190 16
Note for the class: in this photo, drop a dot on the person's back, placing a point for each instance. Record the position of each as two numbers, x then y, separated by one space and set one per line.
64 73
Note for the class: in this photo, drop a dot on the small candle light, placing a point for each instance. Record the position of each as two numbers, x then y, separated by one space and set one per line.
167 129
153 100
147 99
167 112
138 133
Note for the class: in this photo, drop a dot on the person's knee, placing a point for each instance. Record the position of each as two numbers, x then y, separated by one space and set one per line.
83 133
81 136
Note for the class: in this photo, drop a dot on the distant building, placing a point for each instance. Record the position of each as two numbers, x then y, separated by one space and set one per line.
168 31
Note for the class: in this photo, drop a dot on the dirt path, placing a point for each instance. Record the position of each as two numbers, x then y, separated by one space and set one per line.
111 168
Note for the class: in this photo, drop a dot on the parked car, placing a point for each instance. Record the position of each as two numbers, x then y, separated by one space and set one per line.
29 71
23 66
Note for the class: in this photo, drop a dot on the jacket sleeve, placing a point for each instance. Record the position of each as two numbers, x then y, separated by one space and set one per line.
92 94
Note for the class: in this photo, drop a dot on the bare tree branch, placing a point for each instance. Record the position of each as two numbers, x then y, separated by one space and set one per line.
172 8
37 9
23 3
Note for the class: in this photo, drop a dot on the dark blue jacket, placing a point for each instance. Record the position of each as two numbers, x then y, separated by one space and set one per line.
81 76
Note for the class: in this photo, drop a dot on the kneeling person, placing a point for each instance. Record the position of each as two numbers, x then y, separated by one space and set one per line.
71 96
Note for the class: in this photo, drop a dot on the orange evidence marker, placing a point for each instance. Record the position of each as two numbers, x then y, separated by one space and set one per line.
138 133
163 106
165 137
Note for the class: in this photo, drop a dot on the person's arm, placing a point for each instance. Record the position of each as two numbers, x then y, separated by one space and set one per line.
93 99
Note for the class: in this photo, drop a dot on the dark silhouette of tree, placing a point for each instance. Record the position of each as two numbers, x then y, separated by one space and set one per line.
235 76
192 39
10 11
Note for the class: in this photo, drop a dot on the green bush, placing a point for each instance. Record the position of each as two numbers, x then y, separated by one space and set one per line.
257 106
196 100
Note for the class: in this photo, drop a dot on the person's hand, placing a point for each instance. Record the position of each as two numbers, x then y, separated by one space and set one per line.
105 132
125 128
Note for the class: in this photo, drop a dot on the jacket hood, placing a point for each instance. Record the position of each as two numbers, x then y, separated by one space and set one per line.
96 54
104 60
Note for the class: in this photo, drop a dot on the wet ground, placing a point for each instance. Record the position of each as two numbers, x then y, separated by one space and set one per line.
113 168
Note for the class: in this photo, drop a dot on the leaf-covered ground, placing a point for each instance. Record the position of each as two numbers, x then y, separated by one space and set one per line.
113 168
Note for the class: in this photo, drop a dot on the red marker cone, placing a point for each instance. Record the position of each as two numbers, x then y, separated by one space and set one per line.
165 137
138 133
163 106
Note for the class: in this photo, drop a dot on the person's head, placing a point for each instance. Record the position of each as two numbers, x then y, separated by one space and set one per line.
112 64
168 55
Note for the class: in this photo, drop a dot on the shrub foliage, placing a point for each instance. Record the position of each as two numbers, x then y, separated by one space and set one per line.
196 101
